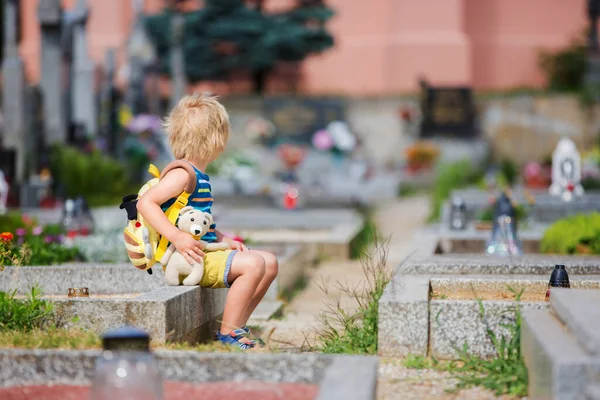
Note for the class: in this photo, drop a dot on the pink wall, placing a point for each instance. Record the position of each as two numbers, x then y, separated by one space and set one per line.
383 46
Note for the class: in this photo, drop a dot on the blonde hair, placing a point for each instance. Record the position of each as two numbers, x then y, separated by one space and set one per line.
197 127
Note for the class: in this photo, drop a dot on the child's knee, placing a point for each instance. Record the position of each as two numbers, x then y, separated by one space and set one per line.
271 266
255 265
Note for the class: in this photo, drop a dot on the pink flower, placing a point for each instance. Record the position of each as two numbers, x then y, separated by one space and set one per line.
37 230
20 232
532 170
322 140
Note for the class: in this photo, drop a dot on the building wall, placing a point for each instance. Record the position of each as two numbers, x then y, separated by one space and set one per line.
384 46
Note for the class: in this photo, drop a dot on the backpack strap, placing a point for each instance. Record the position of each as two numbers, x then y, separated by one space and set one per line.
173 212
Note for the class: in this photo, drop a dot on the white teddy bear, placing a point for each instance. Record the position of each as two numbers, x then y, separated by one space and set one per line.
196 223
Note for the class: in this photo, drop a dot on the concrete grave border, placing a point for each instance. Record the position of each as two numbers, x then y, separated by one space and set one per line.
560 346
410 322
338 377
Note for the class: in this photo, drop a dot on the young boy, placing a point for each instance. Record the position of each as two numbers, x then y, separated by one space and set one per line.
198 130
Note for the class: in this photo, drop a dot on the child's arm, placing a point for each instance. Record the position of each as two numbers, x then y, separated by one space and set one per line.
233 244
171 185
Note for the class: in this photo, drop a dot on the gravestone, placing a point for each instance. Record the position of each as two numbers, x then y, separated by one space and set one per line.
35 129
447 112
108 105
83 99
13 99
592 74
297 119
51 80
566 171
178 78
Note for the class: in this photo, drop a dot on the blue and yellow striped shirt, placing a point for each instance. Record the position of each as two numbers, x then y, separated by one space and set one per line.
201 200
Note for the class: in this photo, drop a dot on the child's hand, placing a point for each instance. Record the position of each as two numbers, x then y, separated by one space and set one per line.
190 248
234 244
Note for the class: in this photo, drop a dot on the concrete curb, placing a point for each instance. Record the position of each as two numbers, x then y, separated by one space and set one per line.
338 377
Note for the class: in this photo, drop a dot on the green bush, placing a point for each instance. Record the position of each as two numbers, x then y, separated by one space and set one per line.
23 314
450 177
509 170
575 234
565 68
100 179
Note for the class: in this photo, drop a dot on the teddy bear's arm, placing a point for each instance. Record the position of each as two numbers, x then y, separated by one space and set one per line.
215 246
168 253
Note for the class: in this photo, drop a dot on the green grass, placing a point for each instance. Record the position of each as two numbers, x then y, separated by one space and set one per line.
503 374
365 237
356 332
24 314
81 339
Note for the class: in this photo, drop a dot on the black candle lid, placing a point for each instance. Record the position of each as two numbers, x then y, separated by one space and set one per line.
559 277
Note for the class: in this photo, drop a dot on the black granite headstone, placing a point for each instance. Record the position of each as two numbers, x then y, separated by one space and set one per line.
297 119
447 112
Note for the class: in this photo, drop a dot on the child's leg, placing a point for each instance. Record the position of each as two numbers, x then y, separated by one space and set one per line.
246 273
271 270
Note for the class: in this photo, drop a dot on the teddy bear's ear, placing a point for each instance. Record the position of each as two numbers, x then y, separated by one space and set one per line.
185 209
209 218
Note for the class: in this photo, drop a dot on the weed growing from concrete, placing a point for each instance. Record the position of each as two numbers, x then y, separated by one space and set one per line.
505 373
23 314
356 332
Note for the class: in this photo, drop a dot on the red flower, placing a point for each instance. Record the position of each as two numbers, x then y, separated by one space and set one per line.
238 239
6 236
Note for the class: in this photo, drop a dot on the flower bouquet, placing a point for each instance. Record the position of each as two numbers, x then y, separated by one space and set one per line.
421 156
536 176
335 138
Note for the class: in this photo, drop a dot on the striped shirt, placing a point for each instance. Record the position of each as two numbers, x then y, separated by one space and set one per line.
201 200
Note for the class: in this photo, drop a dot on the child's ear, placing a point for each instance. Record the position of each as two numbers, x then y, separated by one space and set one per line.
185 209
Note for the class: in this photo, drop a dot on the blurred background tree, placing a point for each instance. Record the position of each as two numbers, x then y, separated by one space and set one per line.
231 35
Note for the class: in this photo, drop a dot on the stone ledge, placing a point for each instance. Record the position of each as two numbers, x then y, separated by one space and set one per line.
558 366
338 377
174 313
580 310
98 277
536 264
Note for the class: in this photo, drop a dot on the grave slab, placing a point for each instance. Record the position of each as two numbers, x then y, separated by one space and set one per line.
331 373
557 364
326 232
580 311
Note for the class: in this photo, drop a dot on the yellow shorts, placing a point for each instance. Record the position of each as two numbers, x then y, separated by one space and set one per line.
216 269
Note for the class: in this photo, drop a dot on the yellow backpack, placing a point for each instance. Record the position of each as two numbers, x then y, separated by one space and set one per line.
144 244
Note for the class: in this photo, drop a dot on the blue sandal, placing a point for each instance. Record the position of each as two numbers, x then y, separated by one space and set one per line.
258 340
233 339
